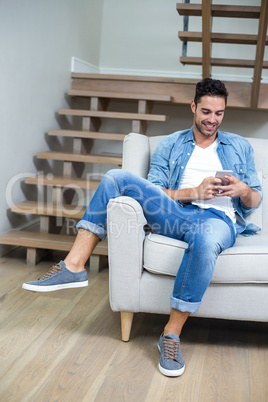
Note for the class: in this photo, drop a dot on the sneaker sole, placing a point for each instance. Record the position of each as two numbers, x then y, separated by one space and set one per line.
52 288
170 373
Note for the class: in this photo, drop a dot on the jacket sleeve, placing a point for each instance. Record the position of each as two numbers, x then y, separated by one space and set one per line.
159 173
251 179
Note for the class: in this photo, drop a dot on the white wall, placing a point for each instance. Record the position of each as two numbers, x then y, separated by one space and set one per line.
141 37
38 38
37 41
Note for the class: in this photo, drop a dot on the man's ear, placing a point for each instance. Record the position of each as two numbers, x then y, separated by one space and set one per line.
193 107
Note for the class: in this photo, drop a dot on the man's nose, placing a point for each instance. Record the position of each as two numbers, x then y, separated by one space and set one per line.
213 118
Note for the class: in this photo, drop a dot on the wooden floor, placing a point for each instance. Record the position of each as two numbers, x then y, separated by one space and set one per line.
65 346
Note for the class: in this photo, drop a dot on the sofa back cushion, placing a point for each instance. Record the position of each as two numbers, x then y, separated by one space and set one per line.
138 149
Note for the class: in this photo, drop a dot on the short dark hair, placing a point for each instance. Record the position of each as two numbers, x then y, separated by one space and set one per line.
210 87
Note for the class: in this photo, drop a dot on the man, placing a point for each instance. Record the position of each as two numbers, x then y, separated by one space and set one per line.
182 199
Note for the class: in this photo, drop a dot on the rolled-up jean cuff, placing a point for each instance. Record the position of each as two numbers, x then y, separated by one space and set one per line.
92 227
184 306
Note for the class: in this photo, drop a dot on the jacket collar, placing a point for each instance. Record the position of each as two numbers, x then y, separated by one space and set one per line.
189 136
223 138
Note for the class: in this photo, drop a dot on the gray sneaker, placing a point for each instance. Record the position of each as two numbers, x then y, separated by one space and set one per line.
58 277
171 361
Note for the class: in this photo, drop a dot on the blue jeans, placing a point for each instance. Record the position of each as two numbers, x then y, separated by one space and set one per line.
207 231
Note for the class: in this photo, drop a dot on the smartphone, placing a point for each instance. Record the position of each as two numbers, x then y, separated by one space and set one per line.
221 173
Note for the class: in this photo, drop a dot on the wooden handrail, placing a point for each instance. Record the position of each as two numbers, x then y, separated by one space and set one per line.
206 44
259 65
240 39
220 10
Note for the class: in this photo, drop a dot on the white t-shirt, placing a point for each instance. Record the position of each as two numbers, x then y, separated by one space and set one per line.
203 163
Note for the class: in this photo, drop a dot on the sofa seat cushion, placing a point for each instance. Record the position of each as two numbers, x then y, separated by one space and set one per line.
245 262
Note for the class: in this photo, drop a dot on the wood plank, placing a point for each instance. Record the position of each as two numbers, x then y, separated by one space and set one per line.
47 241
258 369
64 156
112 115
221 379
49 209
240 39
128 361
182 90
263 98
219 62
194 345
65 346
81 77
60 181
88 134
46 335
82 347
206 45
259 54
220 10
120 95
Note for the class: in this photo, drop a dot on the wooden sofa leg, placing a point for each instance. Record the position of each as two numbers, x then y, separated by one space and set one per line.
126 323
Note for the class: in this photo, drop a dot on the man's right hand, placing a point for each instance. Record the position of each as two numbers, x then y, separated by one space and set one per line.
205 191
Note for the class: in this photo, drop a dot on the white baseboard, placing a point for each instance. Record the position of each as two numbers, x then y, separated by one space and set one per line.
149 73
81 66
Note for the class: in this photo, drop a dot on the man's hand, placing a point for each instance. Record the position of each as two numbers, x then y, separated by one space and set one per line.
236 188
208 189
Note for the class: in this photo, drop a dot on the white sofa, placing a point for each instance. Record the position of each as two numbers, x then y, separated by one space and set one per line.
143 265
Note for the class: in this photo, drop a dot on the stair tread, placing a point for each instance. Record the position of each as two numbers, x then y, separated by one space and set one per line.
112 115
246 39
87 158
228 11
120 95
222 62
60 181
46 241
49 209
88 134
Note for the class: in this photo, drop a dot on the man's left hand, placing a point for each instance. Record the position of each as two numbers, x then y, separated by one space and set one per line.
235 188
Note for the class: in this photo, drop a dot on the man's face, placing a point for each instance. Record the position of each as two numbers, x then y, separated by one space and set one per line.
208 115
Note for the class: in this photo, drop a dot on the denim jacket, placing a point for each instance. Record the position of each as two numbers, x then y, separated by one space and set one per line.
235 153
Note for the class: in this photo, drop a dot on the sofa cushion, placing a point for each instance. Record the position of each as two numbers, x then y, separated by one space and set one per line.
245 262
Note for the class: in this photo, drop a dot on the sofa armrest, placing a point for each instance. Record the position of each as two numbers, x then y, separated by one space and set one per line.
136 154
125 229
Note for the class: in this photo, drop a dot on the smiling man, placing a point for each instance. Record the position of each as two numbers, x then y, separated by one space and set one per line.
182 199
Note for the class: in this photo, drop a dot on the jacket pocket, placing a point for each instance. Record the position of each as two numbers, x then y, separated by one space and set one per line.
240 168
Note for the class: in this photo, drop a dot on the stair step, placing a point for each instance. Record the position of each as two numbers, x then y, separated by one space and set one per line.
71 157
58 181
82 79
220 10
241 39
222 62
49 209
112 115
46 241
120 95
88 134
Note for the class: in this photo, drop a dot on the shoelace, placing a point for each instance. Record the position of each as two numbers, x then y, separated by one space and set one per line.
52 271
171 349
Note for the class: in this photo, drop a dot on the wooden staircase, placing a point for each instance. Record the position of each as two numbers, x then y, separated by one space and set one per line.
59 211
58 208
208 11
